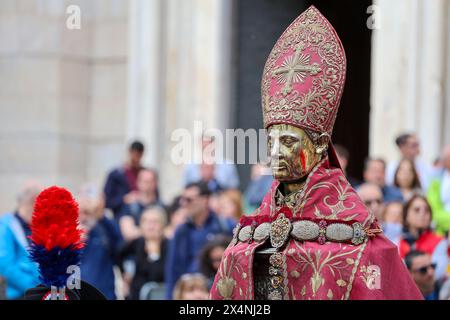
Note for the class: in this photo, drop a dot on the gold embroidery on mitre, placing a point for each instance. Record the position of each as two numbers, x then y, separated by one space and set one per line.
315 107
294 69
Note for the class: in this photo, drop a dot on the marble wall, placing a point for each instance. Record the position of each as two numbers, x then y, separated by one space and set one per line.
181 54
62 92
70 100
410 76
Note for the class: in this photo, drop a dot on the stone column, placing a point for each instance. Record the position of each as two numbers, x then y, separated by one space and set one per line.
197 84
408 75
432 77
446 117
108 88
145 76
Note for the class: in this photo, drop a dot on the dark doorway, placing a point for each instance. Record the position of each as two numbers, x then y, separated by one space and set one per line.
259 23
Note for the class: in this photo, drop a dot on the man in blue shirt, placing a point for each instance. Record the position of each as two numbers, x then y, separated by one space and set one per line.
102 243
203 225
16 267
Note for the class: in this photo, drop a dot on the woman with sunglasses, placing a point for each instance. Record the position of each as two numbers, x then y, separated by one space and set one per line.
418 234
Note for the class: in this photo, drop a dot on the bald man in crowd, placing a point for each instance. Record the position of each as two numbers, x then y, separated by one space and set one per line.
374 172
371 195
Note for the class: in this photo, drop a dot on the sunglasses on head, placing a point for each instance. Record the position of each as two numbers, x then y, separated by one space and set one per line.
424 269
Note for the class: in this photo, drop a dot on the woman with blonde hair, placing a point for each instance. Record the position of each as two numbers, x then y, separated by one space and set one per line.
191 286
230 204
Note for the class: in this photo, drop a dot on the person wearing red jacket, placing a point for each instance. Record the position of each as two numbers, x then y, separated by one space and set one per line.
418 235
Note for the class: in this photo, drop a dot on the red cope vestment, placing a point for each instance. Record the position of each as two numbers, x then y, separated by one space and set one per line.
328 245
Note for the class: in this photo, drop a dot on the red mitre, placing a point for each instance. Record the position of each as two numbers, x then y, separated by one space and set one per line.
304 75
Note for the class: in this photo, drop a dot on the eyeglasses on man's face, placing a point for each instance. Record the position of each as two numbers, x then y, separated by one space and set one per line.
424 270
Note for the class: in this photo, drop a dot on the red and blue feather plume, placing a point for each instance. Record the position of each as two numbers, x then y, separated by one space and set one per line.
56 240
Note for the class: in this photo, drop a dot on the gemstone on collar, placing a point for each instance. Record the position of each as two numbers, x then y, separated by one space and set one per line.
279 231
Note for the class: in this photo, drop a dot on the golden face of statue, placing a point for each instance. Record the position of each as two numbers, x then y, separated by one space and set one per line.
293 155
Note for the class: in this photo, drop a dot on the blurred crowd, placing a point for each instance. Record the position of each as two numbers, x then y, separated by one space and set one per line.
138 247
411 201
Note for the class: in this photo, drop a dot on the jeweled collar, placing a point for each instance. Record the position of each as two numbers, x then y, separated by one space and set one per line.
294 199
289 200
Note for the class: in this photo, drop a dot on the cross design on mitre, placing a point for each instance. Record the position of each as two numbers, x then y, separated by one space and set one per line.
294 69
